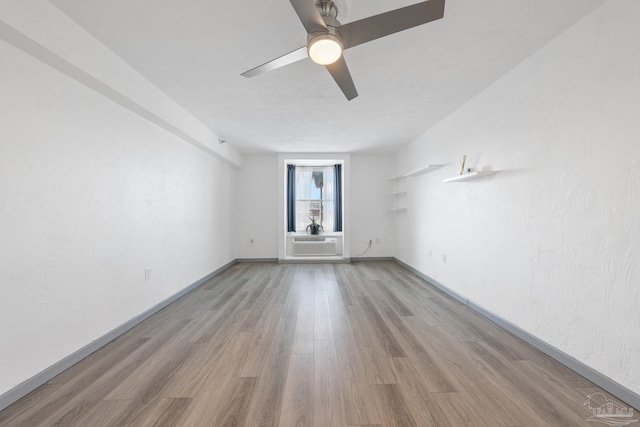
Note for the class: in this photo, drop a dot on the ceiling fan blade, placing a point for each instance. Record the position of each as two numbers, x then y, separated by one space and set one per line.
286 59
374 27
340 73
309 15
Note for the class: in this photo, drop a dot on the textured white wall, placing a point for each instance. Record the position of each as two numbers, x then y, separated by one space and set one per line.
91 195
549 243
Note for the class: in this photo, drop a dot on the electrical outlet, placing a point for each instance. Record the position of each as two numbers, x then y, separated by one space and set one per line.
429 253
147 274
444 258
377 240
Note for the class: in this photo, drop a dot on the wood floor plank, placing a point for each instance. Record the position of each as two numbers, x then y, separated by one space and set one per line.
213 397
257 311
367 344
455 411
476 379
428 365
297 402
27 404
100 413
382 333
322 316
328 400
101 360
233 412
343 284
376 293
176 351
286 282
304 334
416 393
157 367
354 282
395 411
167 413
278 273
376 363
227 276
568 400
359 404
267 404
204 358
212 327
393 300
253 297
479 372
290 296
155 377
258 352
92 385
157 412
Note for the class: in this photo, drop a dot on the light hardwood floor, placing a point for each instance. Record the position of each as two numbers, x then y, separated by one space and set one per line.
365 344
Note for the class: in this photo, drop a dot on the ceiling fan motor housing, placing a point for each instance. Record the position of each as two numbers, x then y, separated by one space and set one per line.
327 8
332 32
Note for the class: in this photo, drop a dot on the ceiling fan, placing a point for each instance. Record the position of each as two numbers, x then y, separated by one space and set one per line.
327 38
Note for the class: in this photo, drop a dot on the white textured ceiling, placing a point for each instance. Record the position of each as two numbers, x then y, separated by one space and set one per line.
195 50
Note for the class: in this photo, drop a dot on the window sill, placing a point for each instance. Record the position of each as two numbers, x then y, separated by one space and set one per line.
327 234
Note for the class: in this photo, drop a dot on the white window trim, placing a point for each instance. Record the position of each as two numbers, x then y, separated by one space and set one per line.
310 159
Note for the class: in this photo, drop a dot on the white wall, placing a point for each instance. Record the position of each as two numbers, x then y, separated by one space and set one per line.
371 218
257 207
368 200
40 29
550 242
91 194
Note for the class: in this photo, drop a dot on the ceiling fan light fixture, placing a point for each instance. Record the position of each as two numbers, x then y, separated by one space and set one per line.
325 49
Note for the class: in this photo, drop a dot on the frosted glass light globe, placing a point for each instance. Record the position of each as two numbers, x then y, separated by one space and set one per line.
325 49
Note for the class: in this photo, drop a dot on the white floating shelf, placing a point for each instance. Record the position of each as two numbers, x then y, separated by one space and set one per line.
398 209
396 178
422 170
398 193
471 175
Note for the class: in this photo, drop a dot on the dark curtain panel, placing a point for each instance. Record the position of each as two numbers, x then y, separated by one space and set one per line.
291 197
337 197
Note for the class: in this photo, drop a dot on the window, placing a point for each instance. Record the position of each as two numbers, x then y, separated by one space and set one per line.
315 197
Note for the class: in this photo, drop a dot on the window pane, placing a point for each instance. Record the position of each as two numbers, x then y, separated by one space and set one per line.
314 197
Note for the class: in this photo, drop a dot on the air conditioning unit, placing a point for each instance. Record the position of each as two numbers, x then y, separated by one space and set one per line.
314 246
